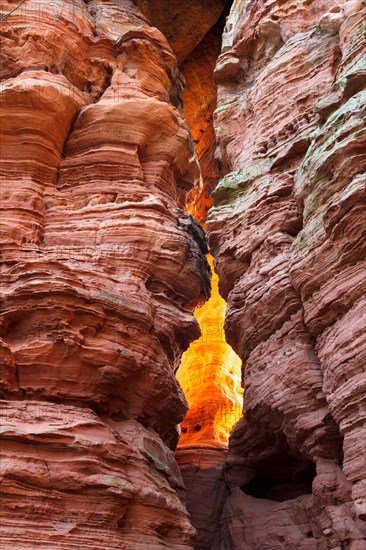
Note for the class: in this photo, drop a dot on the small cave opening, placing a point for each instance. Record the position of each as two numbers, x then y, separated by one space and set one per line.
281 478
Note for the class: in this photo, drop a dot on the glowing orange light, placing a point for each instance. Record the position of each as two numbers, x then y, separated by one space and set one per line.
210 375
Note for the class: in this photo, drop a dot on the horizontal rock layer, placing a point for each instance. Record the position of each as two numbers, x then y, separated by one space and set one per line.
70 479
287 232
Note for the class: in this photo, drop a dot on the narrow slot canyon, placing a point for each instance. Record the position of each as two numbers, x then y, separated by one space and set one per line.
210 371
182 327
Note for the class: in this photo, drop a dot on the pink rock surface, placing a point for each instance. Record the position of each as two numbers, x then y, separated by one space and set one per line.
287 231
72 480
202 472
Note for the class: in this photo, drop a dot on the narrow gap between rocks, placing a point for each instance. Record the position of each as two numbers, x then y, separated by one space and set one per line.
210 371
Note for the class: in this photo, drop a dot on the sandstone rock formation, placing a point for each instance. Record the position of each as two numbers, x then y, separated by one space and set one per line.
73 480
184 24
199 99
100 267
288 234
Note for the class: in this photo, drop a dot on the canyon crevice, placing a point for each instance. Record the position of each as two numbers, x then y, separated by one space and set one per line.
159 159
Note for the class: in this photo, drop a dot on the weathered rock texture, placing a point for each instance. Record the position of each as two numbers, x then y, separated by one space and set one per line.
288 236
199 99
184 24
72 480
100 267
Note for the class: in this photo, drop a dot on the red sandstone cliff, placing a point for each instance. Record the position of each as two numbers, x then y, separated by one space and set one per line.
100 265
288 235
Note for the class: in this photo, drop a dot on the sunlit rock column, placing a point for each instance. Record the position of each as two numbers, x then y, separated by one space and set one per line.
210 375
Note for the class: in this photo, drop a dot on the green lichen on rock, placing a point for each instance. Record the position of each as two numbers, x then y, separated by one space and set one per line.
316 182
239 182
344 129
226 104
113 482
159 465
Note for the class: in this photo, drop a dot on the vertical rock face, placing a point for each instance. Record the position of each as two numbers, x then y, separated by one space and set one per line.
100 267
288 234
199 104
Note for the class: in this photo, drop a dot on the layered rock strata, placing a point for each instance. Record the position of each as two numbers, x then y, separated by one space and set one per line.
101 265
73 480
288 234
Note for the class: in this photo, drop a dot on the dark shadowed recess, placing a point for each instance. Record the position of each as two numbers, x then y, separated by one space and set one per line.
281 478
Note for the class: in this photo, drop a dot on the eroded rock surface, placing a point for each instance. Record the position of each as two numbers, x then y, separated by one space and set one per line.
71 479
184 24
288 234
102 265
100 268
200 101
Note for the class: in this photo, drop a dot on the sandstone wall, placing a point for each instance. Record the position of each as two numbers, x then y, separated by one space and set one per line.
100 266
288 235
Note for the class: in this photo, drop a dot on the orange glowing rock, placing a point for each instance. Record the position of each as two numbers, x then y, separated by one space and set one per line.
210 376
